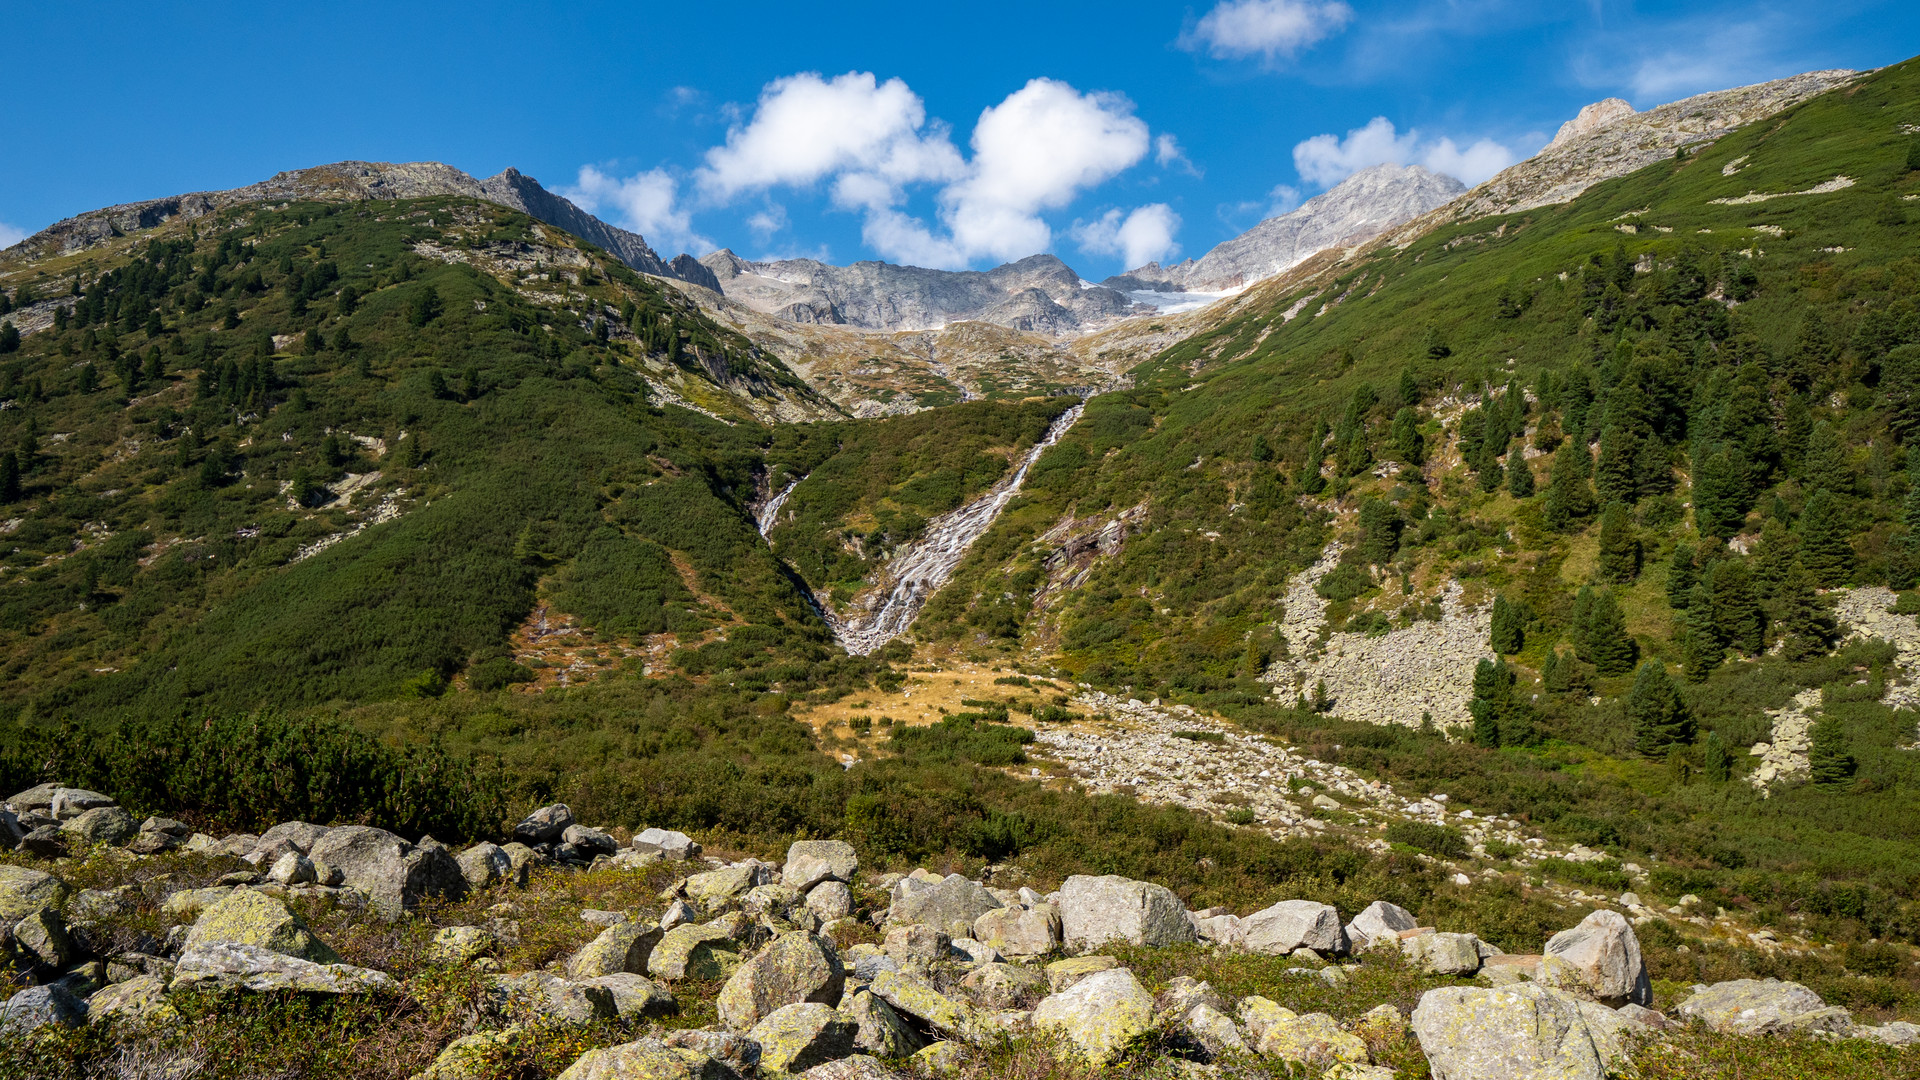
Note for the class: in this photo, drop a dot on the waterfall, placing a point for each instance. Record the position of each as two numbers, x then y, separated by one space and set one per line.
770 513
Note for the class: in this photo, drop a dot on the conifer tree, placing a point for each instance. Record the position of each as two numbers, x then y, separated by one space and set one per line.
1519 473
1716 760
1825 549
1661 719
1553 673
1825 468
1703 647
1500 717
1569 496
1355 458
1808 626
9 478
1380 525
1737 615
1509 627
1408 445
1680 576
1616 476
1619 547
1409 387
1830 765
1603 638
1773 556
1720 494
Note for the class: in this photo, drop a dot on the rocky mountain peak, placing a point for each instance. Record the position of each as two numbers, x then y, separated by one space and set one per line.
1594 116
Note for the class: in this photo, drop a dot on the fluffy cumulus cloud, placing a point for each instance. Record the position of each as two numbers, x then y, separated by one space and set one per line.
1272 29
10 235
647 203
870 142
1325 160
1142 236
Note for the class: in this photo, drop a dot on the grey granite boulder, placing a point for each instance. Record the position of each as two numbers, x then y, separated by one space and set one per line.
1521 1032
394 875
810 862
1294 924
1599 958
1095 911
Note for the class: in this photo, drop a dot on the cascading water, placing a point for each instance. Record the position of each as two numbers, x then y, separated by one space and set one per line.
770 513
918 570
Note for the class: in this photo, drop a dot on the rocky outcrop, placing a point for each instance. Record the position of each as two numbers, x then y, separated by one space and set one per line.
1096 911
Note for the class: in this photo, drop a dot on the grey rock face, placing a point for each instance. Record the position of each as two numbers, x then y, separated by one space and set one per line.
24 891
394 874
1379 920
798 1037
796 967
1294 924
1600 957
622 948
1099 1015
69 803
485 864
1757 1007
41 1006
810 862
1013 931
545 825
230 966
940 905
1522 1032
1443 954
551 997
100 825
1098 910
830 900
636 997
669 844
1361 206
881 1030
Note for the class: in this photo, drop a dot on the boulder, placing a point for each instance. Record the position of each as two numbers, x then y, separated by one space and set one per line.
34 799
92 906
1294 924
1896 1033
677 846
1601 958
549 997
645 1059
1097 910
810 862
736 1052
246 917
622 948
292 868
1221 929
484 865
636 996
694 951
1182 993
100 825
939 1058
225 965
461 944
857 1067
830 900
589 841
1443 954
42 936
1315 1040
1020 931
954 899
796 967
544 826
69 803
394 874
24 891
1099 1015
471 1057
717 889
1062 974
1520 1032
1004 986
880 1031
912 997
797 1037
41 1006
918 942
139 1000
189 903
46 841
1378 921
1214 1031
1760 1007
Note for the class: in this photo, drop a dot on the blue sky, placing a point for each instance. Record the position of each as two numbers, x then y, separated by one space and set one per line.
936 134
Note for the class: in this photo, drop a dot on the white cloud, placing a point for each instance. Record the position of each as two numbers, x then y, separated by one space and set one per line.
647 203
1283 199
1140 237
1325 160
1168 154
1274 29
769 221
11 235
869 141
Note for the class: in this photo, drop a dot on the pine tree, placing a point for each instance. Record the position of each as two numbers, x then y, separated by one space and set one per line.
1619 548
425 306
1680 576
1380 525
1716 760
1408 445
1553 673
1721 496
1703 647
9 478
1825 468
1509 627
1830 765
1519 473
1661 719
1409 387
1737 615
1569 496
1603 639
1808 626
9 337
1615 476
1825 549
1500 717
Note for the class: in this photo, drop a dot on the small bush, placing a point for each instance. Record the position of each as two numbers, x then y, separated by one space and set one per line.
1442 840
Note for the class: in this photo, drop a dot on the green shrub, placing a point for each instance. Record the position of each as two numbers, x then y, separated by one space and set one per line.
1442 840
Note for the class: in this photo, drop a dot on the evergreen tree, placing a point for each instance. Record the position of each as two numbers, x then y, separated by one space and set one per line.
1737 614
1408 445
1603 639
1680 576
1509 627
1830 765
424 307
1825 549
9 337
1500 717
1616 476
1773 556
1569 496
1825 468
1721 496
1409 387
1703 647
1716 760
1519 473
1380 525
1661 719
156 366
9 478
1808 626
1619 547
1355 458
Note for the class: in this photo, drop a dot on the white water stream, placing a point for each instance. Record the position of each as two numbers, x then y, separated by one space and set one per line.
770 513
918 570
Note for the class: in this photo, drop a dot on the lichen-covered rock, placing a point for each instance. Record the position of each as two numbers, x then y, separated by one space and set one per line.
1314 1040
1378 922
830 900
1099 1015
139 1000
796 967
69 803
101 825
1182 993
911 996
636 996
810 862
484 865
623 947
857 1067
471 1057
1443 954
942 904
1294 924
717 889
917 941
222 965
549 997
1214 1031
1020 931
24 891
881 1030
1062 974
939 1058
42 938
189 903
1759 1007
393 874
246 917
1004 986
677 846
1601 958
461 944
1095 911
1522 1032
293 868
1260 1014
695 951
645 1059
37 1007
797 1037
736 1052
